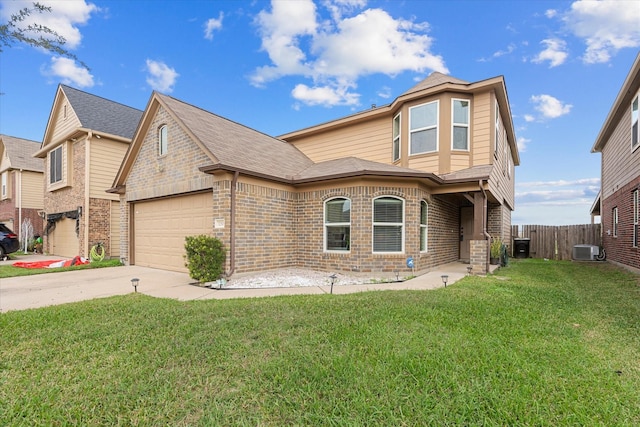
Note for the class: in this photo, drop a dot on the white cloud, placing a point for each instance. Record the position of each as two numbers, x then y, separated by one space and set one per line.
64 18
550 13
606 27
522 143
555 52
213 25
69 72
324 95
561 183
529 118
335 53
161 77
550 107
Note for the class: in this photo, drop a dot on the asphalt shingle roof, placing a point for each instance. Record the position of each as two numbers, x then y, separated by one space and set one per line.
238 146
102 115
435 79
20 152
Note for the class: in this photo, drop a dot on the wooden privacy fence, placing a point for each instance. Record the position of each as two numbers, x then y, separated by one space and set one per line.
556 241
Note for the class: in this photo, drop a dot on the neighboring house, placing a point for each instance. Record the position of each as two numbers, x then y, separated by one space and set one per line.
84 142
332 198
21 177
618 202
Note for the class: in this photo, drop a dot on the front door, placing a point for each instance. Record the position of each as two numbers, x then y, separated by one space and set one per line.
466 232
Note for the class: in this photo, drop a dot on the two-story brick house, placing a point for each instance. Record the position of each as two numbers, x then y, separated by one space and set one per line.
21 175
429 177
618 202
84 142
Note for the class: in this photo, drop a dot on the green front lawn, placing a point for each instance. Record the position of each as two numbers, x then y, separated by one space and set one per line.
11 271
538 344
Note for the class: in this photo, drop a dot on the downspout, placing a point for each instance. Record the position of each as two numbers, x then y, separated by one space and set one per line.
484 221
232 237
18 186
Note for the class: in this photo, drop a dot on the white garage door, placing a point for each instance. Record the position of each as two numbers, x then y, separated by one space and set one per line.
64 240
160 227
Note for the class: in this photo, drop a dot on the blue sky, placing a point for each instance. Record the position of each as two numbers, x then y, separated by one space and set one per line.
287 64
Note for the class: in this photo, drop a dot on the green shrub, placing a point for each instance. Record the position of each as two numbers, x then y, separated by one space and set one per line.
205 257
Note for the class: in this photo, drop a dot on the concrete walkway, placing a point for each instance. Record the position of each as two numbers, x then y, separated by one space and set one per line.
19 293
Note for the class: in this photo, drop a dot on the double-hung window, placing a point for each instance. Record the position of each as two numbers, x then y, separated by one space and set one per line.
635 129
388 224
55 165
162 140
423 128
636 217
424 216
460 125
5 190
337 224
396 138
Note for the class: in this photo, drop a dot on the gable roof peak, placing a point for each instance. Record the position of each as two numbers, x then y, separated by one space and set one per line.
435 79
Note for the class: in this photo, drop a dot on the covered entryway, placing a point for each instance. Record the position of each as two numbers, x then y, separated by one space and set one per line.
466 232
63 240
160 226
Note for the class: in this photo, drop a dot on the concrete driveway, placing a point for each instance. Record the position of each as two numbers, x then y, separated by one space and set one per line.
41 290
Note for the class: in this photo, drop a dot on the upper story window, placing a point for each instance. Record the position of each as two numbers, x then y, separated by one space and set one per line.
396 137
5 189
162 140
460 131
337 224
388 224
635 129
497 135
424 216
55 165
423 128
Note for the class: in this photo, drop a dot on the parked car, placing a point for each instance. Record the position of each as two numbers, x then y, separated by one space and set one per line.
8 241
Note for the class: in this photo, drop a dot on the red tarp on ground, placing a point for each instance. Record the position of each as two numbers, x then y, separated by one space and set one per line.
51 264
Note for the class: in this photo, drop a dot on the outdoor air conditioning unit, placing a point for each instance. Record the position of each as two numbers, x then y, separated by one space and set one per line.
585 252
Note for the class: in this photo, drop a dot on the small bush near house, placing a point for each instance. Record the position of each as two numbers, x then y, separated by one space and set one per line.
205 257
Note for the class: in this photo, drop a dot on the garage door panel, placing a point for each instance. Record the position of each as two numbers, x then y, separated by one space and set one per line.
64 240
161 226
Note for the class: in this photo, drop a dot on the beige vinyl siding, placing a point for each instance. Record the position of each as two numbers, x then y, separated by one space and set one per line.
5 163
482 120
105 158
114 240
460 161
428 163
370 141
64 126
619 165
32 190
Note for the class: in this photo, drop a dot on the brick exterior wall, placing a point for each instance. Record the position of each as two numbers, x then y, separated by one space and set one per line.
479 254
620 249
276 228
499 222
100 220
68 198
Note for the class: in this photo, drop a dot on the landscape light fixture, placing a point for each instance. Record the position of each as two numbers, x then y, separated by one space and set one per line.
469 268
134 283
397 275
333 278
444 279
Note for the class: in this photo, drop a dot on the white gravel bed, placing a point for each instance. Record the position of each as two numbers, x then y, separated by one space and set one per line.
291 277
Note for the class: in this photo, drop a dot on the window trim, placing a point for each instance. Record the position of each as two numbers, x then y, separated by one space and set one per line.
424 239
375 224
53 168
5 185
436 127
397 137
325 226
635 121
496 136
163 142
454 124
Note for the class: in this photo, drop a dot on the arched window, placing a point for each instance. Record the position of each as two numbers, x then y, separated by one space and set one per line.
388 224
424 216
337 224
162 140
